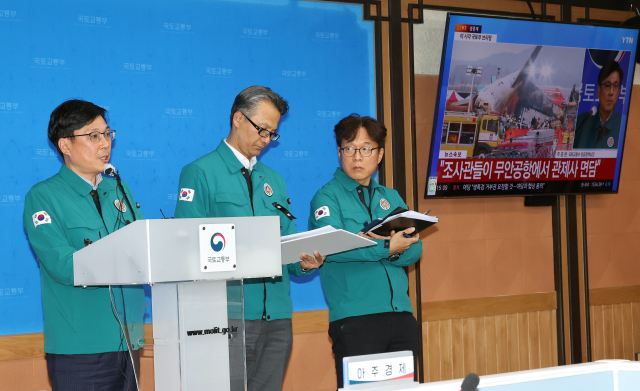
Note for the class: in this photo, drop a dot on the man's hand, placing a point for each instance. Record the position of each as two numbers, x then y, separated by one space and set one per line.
399 243
309 262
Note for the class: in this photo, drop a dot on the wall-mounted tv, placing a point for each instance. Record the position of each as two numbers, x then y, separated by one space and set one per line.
530 108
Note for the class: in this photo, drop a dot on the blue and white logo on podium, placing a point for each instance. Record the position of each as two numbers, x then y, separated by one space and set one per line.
217 247
217 242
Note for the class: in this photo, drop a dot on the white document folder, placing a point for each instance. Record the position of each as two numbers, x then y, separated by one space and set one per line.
326 240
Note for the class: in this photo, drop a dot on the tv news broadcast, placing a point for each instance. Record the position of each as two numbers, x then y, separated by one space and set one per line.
530 108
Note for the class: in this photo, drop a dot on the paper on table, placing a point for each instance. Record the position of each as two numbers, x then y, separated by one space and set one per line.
326 241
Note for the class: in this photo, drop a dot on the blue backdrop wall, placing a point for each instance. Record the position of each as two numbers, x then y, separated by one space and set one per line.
168 72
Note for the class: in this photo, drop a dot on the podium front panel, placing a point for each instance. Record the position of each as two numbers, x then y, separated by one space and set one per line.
175 249
237 342
197 347
120 258
168 250
166 337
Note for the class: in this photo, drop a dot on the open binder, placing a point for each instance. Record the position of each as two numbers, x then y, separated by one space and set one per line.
326 240
399 220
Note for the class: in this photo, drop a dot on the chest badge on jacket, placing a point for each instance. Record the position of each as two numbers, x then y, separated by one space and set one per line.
268 190
610 141
120 206
384 204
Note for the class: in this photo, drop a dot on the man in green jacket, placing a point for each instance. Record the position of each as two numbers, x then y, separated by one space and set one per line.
369 308
230 181
84 344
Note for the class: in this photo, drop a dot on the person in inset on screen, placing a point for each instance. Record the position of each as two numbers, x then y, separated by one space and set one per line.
601 129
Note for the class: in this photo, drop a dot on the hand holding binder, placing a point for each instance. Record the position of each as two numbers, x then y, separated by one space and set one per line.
399 220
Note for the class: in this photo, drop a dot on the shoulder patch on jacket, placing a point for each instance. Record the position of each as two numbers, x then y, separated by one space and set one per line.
322 212
41 217
186 194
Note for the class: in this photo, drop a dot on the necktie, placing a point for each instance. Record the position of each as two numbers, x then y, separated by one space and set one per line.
247 176
96 200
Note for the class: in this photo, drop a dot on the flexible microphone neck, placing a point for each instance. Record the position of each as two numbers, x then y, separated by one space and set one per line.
110 170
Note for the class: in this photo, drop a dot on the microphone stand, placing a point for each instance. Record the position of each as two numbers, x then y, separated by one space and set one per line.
117 176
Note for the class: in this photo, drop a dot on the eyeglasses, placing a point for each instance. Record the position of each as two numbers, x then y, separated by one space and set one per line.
364 151
610 87
95 137
263 132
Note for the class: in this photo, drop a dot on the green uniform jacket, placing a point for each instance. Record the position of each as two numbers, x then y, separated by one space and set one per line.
219 190
362 281
59 214
587 131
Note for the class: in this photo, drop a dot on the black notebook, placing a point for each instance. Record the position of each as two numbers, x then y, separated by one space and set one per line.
398 220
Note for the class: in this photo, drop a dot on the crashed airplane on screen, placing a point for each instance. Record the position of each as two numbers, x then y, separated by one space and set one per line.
495 97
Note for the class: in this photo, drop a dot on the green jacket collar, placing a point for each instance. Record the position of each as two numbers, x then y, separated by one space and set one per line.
78 184
232 162
74 181
349 183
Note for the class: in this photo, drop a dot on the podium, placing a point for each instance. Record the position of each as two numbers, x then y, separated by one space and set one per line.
198 316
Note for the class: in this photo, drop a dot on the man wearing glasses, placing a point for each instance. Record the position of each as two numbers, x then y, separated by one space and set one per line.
230 181
369 307
84 346
602 129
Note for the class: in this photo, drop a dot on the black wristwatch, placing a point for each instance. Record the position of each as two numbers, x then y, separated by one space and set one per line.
394 257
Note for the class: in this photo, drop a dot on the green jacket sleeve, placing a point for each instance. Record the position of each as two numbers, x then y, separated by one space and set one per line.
292 268
48 240
193 178
334 218
411 256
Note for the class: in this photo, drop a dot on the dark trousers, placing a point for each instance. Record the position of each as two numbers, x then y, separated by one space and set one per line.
268 349
268 346
370 334
110 371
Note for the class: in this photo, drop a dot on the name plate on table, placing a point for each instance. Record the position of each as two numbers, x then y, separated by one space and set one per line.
217 247
388 368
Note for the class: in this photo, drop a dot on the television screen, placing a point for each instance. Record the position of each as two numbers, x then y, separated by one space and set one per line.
530 108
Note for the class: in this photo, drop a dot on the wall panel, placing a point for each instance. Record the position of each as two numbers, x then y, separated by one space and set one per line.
615 322
488 336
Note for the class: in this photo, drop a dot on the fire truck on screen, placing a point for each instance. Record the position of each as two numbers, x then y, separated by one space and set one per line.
479 135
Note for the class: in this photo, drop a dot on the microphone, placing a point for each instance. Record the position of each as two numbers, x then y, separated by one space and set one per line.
109 169
470 383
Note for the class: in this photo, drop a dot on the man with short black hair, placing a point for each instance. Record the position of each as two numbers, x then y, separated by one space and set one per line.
83 340
602 129
366 288
230 181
